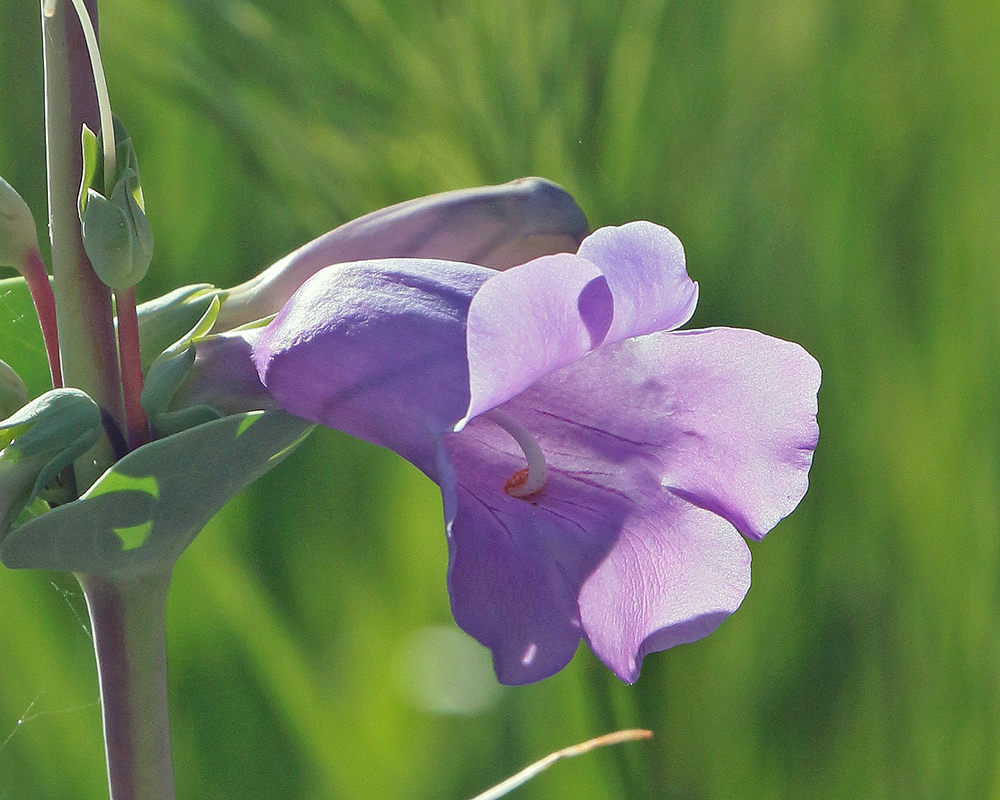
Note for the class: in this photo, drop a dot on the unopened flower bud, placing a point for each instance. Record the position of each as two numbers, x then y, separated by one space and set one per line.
17 228
116 234
43 438
13 393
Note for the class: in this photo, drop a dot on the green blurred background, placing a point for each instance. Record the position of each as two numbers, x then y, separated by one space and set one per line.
832 169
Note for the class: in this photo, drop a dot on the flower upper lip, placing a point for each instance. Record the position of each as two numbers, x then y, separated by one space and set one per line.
528 322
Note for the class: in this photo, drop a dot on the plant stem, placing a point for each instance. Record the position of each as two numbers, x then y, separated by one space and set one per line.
127 617
87 343
529 772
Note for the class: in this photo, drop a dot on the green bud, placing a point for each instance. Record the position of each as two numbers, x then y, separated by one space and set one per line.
45 436
116 234
13 394
18 234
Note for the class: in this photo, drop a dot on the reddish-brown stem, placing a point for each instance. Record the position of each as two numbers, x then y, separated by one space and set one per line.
45 307
127 617
136 424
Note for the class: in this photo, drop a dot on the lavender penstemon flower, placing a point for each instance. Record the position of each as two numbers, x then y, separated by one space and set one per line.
597 467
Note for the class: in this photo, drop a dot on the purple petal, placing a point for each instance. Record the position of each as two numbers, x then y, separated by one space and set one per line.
673 576
493 226
377 350
736 416
644 266
529 321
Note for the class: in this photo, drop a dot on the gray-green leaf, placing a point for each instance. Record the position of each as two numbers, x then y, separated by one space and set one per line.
147 508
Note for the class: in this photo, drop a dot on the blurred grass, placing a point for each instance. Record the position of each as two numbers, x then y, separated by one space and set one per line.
833 170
